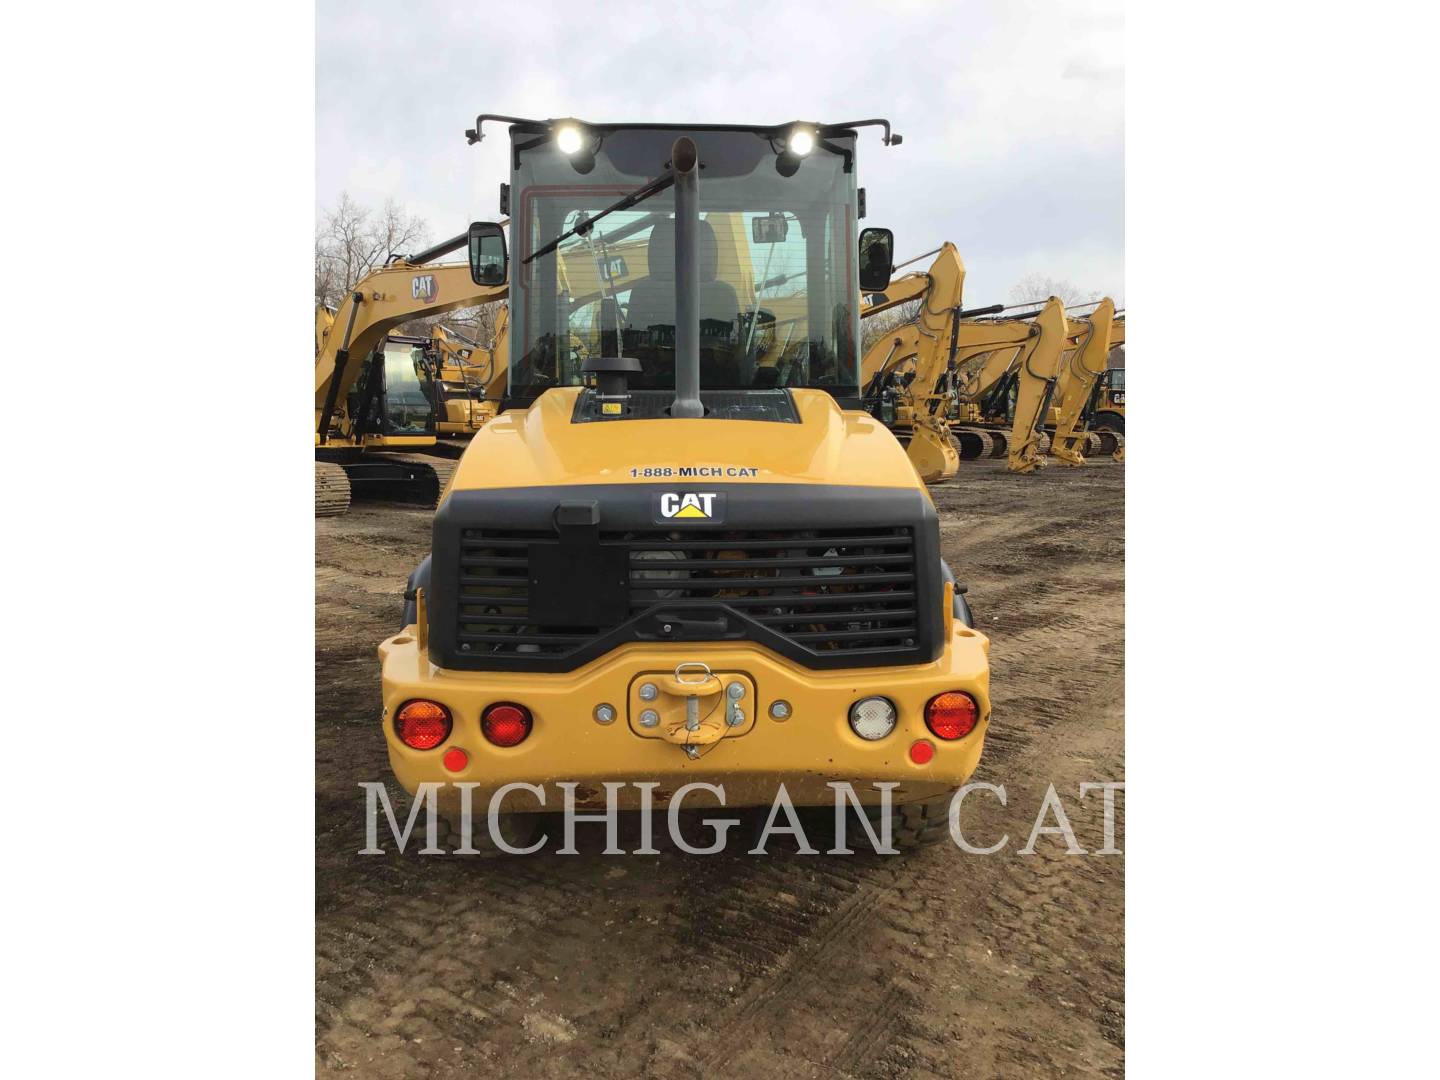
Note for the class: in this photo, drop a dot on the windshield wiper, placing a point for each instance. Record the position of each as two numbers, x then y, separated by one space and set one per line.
639 195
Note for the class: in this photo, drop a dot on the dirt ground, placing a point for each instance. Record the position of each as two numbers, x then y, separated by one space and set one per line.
933 964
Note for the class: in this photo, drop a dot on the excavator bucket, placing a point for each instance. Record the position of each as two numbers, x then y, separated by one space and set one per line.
934 454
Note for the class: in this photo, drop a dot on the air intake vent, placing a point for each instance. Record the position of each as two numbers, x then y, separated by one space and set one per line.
842 595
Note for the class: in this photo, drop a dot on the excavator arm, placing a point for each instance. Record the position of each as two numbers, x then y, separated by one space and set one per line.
924 343
1034 375
1080 369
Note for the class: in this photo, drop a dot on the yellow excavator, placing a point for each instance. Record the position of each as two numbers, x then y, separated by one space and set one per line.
959 385
393 413
472 377
375 394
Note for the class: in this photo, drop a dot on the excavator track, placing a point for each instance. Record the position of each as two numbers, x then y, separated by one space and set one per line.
1042 442
417 479
429 475
332 490
974 443
1092 444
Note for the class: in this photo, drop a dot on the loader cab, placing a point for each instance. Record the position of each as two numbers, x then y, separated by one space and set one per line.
396 394
1113 382
779 253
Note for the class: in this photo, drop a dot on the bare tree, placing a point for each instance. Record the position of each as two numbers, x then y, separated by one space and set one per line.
877 325
1038 288
476 323
351 240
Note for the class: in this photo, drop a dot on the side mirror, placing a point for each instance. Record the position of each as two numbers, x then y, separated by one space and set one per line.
877 258
489 262
771 229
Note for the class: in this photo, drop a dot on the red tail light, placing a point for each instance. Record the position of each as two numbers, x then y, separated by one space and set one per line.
951 715
506 724
422 725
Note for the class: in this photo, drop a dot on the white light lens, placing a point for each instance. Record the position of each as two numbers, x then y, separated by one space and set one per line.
801 142
568 139
872 718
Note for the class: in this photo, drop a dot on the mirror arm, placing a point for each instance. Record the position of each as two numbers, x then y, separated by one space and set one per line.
826 144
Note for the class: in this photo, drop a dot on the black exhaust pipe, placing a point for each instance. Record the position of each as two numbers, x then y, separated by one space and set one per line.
685 163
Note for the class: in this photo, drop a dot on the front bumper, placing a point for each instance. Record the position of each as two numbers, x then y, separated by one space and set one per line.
814 746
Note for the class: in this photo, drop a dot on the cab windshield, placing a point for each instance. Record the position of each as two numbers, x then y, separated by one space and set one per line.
778 295
408 381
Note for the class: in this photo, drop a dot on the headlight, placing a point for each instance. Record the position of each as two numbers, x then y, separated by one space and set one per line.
568 138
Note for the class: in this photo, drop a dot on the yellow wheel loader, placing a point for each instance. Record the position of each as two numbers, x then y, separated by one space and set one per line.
1104 413
691 557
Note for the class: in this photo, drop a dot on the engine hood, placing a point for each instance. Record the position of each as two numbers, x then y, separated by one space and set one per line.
543 446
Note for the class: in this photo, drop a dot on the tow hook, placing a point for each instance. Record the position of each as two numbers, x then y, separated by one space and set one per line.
692 681
692 706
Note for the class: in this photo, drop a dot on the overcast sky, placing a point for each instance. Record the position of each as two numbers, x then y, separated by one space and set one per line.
1012 112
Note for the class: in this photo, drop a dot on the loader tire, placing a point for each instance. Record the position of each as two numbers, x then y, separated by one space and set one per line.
963 614
1108 421
520 830
920 824
912 825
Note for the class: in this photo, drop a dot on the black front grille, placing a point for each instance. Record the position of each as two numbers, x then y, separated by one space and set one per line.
840 594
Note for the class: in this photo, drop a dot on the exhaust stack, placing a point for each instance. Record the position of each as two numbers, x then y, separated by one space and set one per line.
685 163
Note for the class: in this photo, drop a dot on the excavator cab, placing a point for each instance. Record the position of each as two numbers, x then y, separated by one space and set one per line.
396 395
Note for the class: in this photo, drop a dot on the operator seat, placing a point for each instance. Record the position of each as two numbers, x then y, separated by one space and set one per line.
652 301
